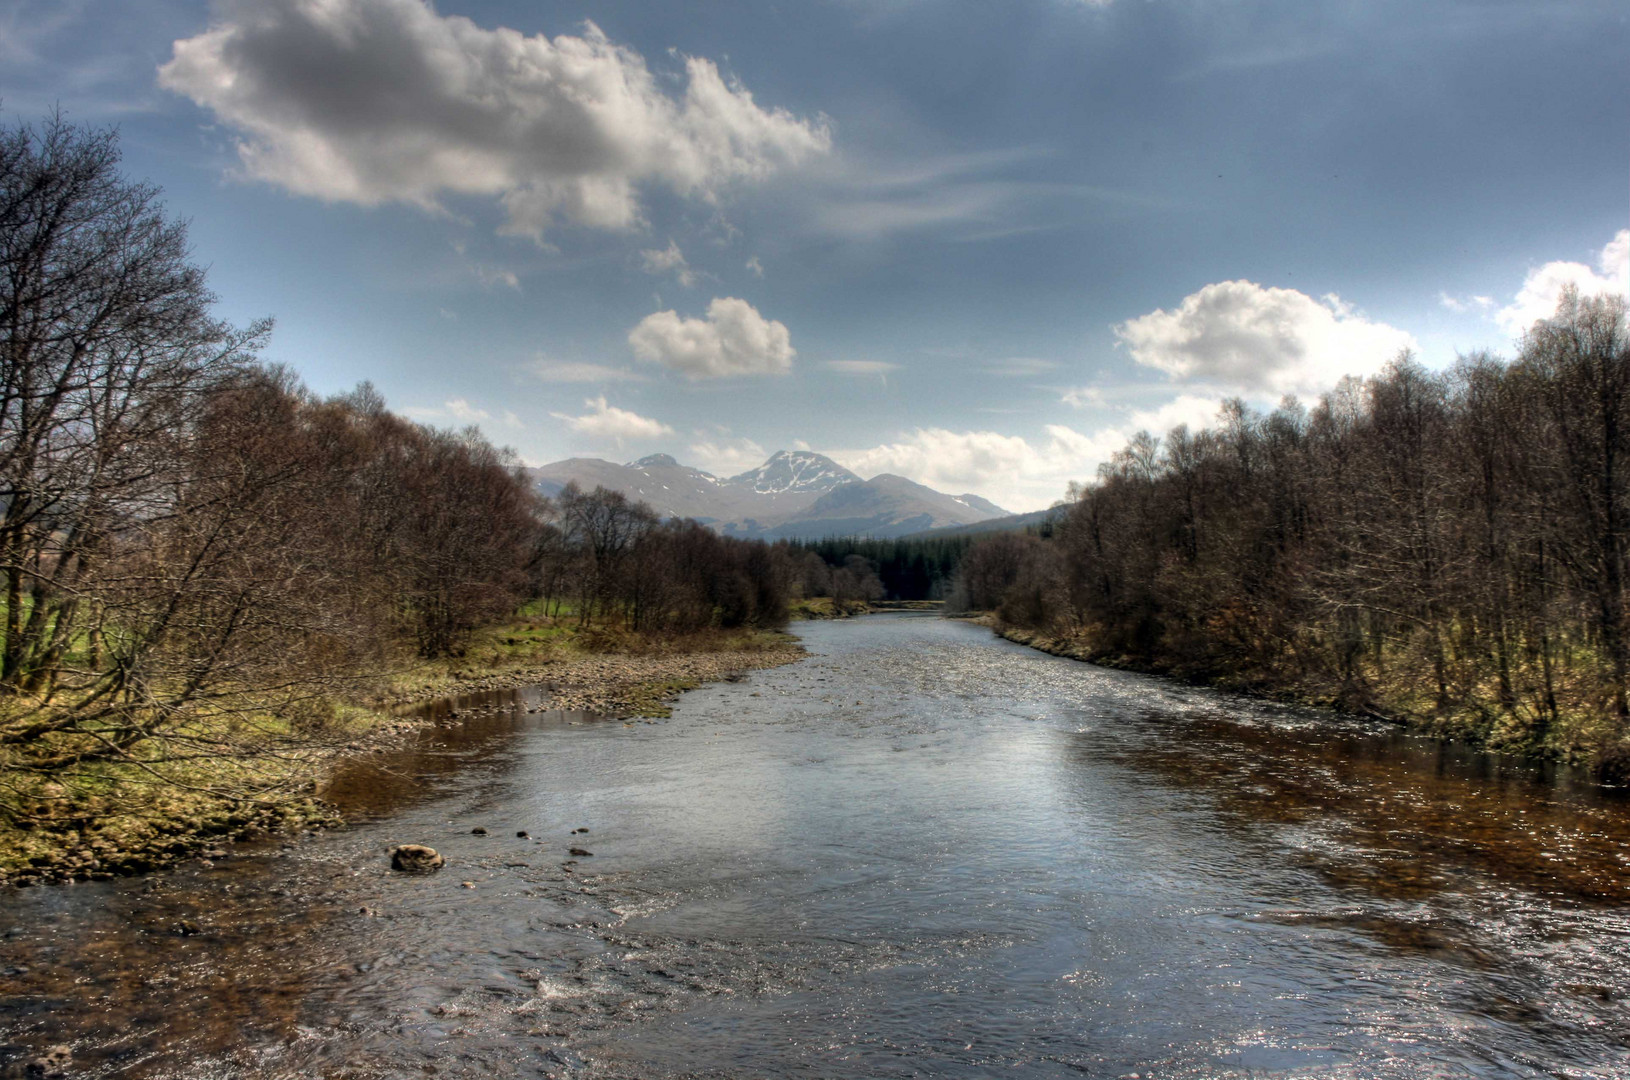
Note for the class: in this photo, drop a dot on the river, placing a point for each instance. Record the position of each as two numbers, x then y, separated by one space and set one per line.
923 851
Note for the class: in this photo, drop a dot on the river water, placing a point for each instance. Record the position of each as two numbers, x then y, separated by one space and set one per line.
924 851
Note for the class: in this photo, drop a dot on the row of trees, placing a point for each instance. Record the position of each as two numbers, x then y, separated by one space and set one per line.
1453 545
905 568
614 559
189 538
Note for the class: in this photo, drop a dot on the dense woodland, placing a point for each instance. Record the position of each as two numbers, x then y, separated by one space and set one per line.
1450 547
193 544
908 568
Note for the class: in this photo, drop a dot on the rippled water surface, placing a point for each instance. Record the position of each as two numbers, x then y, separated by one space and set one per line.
921 852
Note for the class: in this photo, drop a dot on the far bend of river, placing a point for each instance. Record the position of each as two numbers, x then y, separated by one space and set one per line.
922 852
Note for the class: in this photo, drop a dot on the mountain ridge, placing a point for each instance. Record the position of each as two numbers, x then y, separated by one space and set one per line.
794 494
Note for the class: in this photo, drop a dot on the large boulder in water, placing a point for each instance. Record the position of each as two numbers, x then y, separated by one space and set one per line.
416 859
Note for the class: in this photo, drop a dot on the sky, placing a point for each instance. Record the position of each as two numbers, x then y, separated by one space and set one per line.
974 244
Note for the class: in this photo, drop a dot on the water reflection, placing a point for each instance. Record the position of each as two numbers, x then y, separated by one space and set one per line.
921 852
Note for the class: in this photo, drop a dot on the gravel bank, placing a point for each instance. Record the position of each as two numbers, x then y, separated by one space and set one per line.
137 840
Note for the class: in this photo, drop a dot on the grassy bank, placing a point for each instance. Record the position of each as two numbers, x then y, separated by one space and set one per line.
1576 738
824 607
160 806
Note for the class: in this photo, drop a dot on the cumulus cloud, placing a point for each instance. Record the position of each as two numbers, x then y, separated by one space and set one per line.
604 421
1010 470
1017 473
668 260
375 101
566 371
949 460
1538 297
734 339
722 455
1244 337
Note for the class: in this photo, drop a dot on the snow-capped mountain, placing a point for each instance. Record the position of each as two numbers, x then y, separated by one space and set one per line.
795 493
792 472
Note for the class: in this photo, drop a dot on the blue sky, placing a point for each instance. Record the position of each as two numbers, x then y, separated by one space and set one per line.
976 244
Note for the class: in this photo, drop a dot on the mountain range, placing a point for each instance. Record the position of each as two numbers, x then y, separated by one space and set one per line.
796 494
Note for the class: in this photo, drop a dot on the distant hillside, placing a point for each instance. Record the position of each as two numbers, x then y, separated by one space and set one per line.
794 494
1006 523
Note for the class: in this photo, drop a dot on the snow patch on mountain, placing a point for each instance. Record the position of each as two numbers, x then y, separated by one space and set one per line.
794 471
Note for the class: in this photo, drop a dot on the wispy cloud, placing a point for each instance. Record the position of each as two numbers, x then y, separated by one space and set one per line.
1021 366
564 371
668 260
862 367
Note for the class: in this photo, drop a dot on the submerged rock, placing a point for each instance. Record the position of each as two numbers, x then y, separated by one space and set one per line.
580 852
479 830
416 859
54 1062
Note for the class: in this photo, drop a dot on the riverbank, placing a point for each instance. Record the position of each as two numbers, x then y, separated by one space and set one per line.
1575 740
131 819
825 607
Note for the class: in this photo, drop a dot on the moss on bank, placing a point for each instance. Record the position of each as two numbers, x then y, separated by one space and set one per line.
137 816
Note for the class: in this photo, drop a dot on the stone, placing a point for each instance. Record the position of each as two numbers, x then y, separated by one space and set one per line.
416 859
523 835
53 1063
479 830
581 853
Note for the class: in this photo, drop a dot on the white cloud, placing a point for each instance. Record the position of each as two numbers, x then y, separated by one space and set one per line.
462 411
495 275
1460 305
1011 471
1240 336
862 367
668 260
604 421
1022 366
734 339
1082 397
564 371
1538 297
725 456
1017 473
1195 410
457 410
375 101
755 267
948 460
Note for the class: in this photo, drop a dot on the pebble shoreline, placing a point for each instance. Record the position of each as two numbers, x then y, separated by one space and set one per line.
618 685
